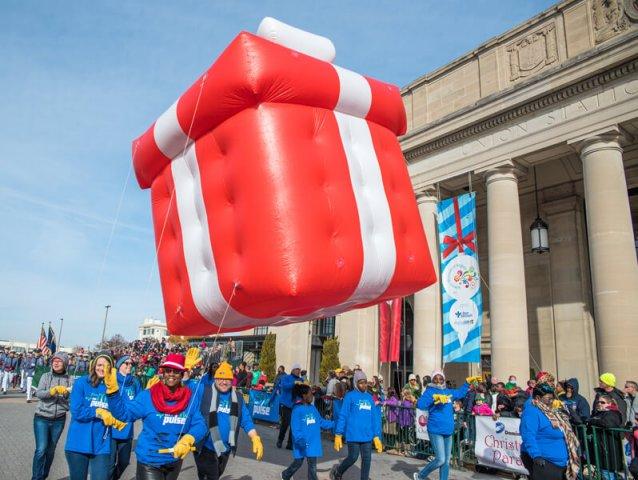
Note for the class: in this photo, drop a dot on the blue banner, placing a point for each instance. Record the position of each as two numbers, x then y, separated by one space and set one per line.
462 304
264 406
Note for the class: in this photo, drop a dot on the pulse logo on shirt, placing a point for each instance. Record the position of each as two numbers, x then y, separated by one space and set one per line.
310 420
365 405
130 393
97 400
224 408
174 419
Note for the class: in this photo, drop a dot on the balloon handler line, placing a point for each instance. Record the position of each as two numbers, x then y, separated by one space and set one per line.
207 364
171 450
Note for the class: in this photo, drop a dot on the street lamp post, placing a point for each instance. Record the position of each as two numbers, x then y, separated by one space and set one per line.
105 317
60 332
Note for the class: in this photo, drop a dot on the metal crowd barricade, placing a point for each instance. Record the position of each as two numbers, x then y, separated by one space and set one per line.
603 452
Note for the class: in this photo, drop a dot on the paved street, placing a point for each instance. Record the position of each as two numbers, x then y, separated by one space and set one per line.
16 432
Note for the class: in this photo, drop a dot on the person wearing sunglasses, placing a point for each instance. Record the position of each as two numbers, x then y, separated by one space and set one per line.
122 440
171 420
549 449
609 445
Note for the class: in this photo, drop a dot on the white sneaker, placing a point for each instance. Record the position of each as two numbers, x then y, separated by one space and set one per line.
415 476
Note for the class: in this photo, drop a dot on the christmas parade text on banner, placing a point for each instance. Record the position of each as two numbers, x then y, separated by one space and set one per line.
461 304
498 444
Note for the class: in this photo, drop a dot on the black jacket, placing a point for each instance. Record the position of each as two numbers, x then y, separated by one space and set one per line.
609 443
620 401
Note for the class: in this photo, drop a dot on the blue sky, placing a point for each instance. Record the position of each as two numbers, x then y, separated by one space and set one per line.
79 80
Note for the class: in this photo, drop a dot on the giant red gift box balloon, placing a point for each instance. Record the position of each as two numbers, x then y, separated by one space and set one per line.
280 193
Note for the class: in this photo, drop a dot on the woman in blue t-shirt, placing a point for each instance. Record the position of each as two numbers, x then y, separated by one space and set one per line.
171 420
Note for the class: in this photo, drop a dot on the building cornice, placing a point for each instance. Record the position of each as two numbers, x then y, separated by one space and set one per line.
540 103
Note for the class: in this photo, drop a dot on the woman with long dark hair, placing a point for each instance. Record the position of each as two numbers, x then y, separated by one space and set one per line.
171 420
550 448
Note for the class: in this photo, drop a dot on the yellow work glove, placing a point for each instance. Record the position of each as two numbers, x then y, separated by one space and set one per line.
476 378
58 390
183 446
258 447
119 424
193 358
440 398
152 381
107 418
338 442
110 380
557 404
377 444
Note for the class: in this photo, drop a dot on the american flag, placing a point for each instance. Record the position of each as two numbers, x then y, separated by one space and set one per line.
42 341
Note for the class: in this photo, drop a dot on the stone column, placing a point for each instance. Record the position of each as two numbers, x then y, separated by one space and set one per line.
359 339
427 302
612 254
508 302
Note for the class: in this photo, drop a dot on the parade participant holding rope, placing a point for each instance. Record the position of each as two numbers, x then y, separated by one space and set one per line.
88 443
122 440
438 400
171 421
225 411
360 421
50 415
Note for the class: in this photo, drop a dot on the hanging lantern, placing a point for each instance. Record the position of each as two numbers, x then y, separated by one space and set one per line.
540 239
538 229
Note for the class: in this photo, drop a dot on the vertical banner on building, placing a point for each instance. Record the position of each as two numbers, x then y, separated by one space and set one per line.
498 444
462 305
390 330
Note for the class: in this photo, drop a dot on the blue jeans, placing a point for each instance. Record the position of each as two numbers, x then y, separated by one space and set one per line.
442 445
296 465
81 463
47 433
354 448
608 475
120 457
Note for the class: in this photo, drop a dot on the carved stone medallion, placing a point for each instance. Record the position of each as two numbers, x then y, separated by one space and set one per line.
532 53
609 18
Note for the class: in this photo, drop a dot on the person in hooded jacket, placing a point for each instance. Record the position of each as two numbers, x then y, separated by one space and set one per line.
224 412
438 400
50 414
360 421
609 444
306 424
122 440
171 420
607 386
88 441
574 402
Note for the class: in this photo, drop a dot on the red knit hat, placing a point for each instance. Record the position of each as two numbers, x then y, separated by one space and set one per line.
174 361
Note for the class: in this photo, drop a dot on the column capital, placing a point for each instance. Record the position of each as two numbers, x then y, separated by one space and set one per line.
608 138
425 193
507 170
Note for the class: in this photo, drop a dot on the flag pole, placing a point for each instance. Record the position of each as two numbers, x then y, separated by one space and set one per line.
60 332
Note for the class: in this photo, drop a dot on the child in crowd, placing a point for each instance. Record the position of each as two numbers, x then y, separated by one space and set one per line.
306 424
481 408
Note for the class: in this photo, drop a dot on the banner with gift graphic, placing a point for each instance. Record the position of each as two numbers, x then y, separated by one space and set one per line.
498 444
461 305
264 406
421 424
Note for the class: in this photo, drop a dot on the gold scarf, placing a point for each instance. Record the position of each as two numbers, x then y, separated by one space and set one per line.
559 420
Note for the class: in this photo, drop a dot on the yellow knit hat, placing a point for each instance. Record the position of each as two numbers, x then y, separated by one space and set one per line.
224 371
608 379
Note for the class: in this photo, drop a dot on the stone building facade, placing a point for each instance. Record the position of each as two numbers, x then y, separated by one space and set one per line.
556 96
